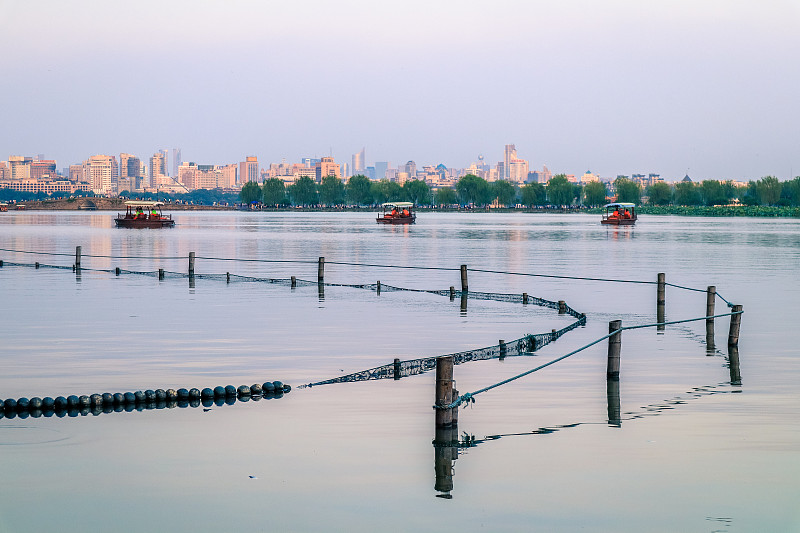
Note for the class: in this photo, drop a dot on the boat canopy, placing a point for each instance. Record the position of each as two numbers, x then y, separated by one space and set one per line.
620 204
398 204
143 203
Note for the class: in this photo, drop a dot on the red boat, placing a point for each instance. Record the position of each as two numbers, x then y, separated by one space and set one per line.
397 213
620 214
142 214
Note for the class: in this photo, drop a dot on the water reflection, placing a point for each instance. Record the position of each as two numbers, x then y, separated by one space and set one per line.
445 453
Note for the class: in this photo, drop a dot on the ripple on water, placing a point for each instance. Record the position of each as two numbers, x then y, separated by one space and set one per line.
27 435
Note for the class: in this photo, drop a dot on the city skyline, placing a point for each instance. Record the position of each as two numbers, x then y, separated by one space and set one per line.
700 88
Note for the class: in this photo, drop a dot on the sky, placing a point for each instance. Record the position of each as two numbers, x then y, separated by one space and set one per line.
708 88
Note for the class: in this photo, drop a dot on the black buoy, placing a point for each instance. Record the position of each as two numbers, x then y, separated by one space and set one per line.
256 389
230 390
73 401
10 404
243 390
139 396
129 398
36 403
150 395
219 391
48 403
183 394
119 398
96 400
287 388
161 395
108 399
23 404
84 401
172 395
278 385
207 393
61 402
194 394
268 386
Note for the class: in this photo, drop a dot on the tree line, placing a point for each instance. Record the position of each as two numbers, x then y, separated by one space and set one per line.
472 190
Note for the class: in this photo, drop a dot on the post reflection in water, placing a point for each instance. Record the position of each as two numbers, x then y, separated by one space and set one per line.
614 409
660 318
321 291
463 304
445 453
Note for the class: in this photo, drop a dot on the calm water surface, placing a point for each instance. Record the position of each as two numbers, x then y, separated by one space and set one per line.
692 452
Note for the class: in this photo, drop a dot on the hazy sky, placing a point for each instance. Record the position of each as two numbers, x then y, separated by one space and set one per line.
705 87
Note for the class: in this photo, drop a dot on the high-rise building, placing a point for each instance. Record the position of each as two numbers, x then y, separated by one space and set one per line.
229 176
20 167
165 152
510 154
359 162
176 160
517 170
248 170
101 171
327 167
158 168
380 169
411 169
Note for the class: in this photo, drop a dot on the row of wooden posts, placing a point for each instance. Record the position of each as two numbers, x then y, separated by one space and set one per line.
446 392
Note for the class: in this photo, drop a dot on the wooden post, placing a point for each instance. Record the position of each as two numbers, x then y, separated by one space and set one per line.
1 263
524 298
227 277
711 297
455 410
191 263
562 307
117 271
444 390
452 293
160 274
396 368
662 286
321 270
443 442
464 284
378 290
733 362
736 320
77 257
294 282
614 346
503 349
36 265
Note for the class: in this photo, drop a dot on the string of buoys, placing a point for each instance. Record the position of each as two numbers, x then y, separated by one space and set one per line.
96 404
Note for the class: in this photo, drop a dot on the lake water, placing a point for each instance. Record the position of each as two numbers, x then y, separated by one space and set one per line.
691 451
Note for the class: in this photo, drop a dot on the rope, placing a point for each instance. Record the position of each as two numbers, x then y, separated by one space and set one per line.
470 396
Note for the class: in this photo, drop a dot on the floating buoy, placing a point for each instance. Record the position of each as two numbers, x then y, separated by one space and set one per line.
230 390
219 392
207 393
243 390
255 389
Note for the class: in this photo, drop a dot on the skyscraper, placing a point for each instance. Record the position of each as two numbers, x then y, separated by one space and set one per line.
327 167
176 160
101 171
358 162
510 154
165 152
380 169
158 168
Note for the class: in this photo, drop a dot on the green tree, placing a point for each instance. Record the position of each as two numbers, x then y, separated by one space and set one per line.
560 190
713 193
660 193
304 192
417 191
628 191
473 190
687 193
504 192
359 190
533 194
331 191
791 191
769 190
274 192
386 191
446 196
250 193
594 193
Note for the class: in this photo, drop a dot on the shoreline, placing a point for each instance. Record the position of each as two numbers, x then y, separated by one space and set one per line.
118 204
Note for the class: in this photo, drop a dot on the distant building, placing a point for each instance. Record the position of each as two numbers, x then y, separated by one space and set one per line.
588 177
158 168
410 168
176 160
41 168
248 170
358 162
327 167
517 170
510 154
20 167
101 171
380 169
